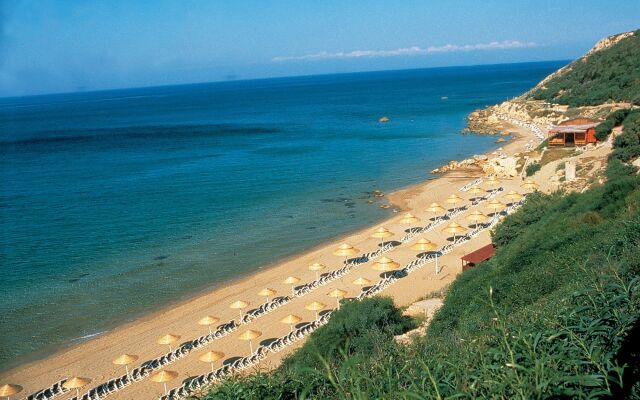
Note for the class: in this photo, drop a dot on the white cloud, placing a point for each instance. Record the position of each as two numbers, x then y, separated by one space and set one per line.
408 51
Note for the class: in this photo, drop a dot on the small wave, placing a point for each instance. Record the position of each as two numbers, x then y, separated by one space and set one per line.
89 336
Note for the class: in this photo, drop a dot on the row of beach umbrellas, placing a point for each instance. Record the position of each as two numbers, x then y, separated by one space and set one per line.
383 264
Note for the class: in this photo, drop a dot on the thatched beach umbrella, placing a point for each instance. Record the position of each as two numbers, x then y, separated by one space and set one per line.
476 216
492 181
9 389
475 190
164 377
211 357
529 184
168 339
496 206
125 360
317 267
267 292
291 280
345 250
248 336
385 264
315 306
381 233
453 199
512 196
361 281
208 321
337 294
435 208
409 219
76 383
290 320
454 228
423 244
239 305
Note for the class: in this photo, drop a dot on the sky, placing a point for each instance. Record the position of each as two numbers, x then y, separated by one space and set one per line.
49 46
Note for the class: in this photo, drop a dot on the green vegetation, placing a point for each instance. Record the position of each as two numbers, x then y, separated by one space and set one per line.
612 74
614 119
627 145
533 168
552 315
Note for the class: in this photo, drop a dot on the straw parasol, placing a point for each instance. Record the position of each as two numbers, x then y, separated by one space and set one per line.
315 306
492 181
291 280
208 321
496 206
168 339
76 383
290 320
248 336
346 250
385 264
475 190
164 377
512 195
239 305
337 294
267 292
435 208
381 233
453 199
423 244
529 184
454 228
317 267
9 389
409 219
361 281
476 216
125 360
211 357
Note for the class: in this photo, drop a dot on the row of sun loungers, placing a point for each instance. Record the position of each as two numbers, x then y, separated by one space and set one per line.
535 129
470 185
147 368
277 345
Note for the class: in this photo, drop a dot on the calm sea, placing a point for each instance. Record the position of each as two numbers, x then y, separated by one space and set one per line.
114 203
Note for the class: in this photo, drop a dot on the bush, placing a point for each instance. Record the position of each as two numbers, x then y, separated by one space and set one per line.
533 168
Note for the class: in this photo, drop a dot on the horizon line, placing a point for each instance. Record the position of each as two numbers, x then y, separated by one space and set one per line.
272 78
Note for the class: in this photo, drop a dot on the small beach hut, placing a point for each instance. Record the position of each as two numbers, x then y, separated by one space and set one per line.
482 254
164 377
577 131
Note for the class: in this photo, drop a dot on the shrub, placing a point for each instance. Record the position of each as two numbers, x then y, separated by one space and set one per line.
533 168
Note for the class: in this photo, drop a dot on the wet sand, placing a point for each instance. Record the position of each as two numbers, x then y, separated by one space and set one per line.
93 358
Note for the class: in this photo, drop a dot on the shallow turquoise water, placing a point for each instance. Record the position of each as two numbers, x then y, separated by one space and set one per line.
109 199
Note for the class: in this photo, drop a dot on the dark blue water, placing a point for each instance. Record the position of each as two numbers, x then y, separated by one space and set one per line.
109 198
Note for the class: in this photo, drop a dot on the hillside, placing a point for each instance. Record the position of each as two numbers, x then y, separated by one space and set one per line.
554 314
610 72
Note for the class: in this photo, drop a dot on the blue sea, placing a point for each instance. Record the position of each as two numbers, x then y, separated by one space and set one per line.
114 203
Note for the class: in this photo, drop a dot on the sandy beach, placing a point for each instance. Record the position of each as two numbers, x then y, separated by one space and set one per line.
93 358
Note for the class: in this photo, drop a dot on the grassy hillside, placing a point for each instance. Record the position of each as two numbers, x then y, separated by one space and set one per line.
553 315
611 74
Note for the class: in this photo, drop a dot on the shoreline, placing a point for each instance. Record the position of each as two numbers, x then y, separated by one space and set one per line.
52 365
